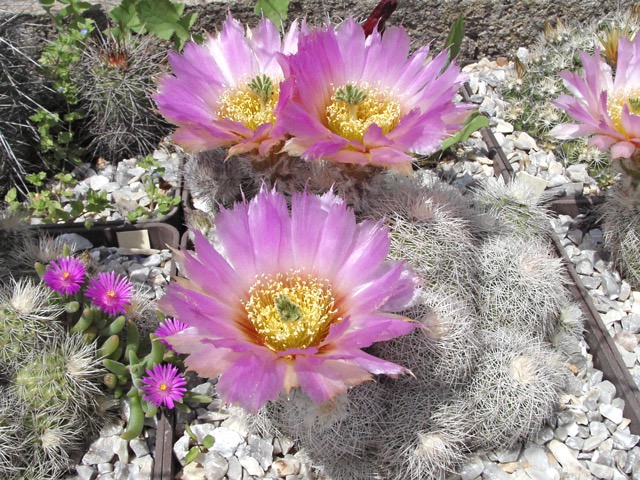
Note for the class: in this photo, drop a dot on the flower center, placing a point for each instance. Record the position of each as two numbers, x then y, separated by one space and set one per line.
291 310
616 103
353 109
251 104
65 275
111 293
162 387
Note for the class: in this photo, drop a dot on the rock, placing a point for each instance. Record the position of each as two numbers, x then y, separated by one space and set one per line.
76 243
283 467
600 471
494 472
626 340
226 440
569 462
525 142
536 456
261 450
215 465
139 447
624 440
612 413
472 469
85 472
102 450
97 182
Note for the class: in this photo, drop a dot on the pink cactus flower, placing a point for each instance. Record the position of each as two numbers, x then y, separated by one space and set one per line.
289 300
364 100
603 106
227 92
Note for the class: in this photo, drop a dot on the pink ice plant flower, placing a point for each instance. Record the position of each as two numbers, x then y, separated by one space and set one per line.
109 292
169 327
226 92
65 275
603 106
163 386
289 300
364 100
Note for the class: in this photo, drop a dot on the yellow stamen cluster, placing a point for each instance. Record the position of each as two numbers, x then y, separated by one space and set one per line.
291 310
65 275
616 102
111 293
354 108
251 104
162 387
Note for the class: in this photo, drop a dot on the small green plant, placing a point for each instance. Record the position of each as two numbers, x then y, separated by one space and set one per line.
274 10
163 19
161 202
200 447
57 202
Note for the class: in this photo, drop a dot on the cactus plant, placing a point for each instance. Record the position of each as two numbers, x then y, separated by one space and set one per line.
20 87
515 389
520 284
515 205
448 341
620 224
114 79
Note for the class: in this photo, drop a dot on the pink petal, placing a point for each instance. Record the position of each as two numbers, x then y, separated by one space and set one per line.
324 380
622 150
251 381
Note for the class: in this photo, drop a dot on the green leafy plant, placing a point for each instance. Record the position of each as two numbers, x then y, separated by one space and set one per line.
472 123
56 202
200 447
161 18
454 39
274 10
161 201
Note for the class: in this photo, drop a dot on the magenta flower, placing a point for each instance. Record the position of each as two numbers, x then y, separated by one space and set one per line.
163 385
366 101
227 92
289 300
65 275
109 292
607 108
169 327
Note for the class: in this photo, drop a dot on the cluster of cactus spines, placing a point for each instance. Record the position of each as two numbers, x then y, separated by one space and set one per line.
18 137
428 437
27 318
568 329
51 375
516 205
114 79
213 180
347 426
620 223
15 237
447 339
515 389
520 283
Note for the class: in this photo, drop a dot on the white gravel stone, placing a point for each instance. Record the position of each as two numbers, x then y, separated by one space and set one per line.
226 441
